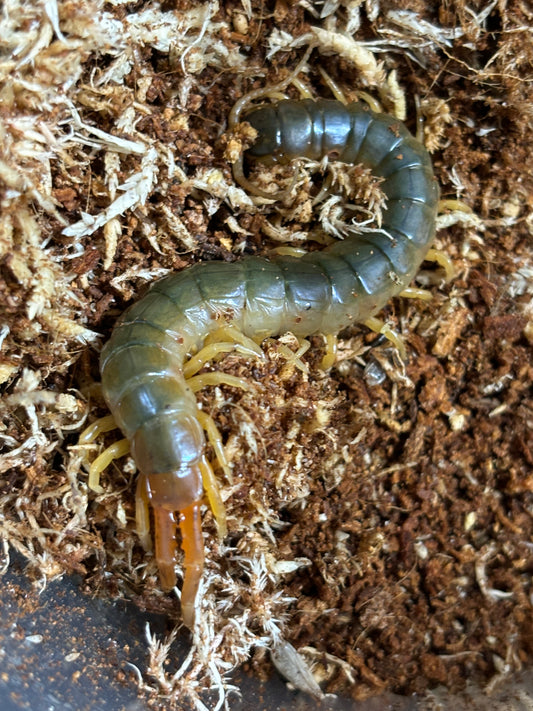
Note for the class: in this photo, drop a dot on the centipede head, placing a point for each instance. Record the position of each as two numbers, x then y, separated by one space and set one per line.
175 497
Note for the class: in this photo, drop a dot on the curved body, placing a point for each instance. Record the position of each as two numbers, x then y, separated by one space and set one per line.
320 292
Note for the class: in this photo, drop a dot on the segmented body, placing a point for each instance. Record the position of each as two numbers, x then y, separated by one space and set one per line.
320 292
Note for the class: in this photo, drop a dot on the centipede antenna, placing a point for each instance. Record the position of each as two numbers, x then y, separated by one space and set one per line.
235 113
242 180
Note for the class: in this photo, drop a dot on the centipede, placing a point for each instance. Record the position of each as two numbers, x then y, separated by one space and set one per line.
148 366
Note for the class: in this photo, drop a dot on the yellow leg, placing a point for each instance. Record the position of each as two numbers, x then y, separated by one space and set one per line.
234 335
331 351
413 293
333 86
302 89
293 358
215 439
223 340
371 101
302 350
378 326
442 259
89 434
142 513
197 382
213 494
289 251
95 429
114 451
204 355
419 121
454 205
